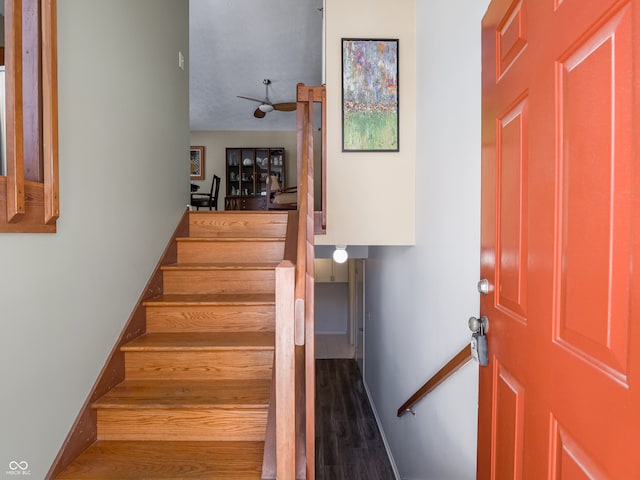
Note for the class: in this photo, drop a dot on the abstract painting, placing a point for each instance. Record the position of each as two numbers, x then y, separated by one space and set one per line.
370 95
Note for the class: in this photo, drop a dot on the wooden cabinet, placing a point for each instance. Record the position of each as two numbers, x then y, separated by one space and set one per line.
248 170
328 271
242 202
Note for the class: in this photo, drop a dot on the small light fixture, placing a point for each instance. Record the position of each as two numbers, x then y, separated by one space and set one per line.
340 254
266 108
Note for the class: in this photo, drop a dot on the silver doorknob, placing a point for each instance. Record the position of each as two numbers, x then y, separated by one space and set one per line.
484 287
479 324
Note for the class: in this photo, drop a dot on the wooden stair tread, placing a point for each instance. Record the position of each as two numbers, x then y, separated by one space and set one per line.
159 460
212 299
180 394
197 388
192 341
220 266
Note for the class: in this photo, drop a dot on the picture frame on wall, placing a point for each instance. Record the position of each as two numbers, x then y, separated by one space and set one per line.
370 95
196 163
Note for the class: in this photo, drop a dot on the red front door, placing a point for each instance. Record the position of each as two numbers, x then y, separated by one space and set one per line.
560 398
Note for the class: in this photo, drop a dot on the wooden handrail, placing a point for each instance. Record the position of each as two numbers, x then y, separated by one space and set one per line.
452 366
295 325
306 97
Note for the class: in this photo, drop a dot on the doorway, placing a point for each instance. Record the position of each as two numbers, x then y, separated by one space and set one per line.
340 309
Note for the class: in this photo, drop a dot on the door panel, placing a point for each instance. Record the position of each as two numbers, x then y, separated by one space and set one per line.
512 35
596 179
511 153
568 459
560 232
508 425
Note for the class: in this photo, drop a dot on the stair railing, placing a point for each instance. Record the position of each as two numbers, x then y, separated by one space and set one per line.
456 363
295 322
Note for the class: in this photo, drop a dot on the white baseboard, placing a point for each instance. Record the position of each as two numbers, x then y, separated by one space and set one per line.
384 437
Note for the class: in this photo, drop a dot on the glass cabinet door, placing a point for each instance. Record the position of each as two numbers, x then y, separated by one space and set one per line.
262 170
276 168
247 179
249 170
233 171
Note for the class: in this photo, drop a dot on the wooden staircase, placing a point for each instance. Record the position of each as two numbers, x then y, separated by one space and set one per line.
194 400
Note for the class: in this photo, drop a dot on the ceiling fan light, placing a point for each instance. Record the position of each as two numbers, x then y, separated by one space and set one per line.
266 108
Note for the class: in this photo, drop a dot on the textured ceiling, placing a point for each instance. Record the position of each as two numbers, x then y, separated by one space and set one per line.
235 44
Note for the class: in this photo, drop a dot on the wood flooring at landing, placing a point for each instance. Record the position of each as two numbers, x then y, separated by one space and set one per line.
348 443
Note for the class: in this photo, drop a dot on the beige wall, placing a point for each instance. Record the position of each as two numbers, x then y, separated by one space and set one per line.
215 144
65 297
371 196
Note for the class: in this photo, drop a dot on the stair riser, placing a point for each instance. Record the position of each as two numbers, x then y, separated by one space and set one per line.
230 252
218 281
199 365
238 224
221 318
181 424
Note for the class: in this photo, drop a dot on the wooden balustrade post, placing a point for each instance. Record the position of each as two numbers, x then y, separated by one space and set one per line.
14 110
50 111
285 372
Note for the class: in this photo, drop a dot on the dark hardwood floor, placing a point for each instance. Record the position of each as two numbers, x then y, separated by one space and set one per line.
348 442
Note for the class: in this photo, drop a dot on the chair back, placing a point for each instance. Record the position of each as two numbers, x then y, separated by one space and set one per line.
213 195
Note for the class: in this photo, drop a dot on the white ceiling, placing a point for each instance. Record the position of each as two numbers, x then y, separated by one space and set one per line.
235 44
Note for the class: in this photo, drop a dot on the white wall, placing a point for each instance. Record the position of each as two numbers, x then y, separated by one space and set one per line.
64 298
419 298
370 196
332 308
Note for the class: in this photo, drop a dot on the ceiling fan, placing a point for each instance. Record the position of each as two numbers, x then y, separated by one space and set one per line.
266 105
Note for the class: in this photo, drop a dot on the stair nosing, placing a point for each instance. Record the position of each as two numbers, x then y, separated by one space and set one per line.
107 403
179 342
247 239
97 405
185 348
218 299
217 266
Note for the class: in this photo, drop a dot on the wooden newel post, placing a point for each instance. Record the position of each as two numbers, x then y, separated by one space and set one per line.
285 372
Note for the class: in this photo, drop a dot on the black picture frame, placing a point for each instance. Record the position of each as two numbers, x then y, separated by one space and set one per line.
370 95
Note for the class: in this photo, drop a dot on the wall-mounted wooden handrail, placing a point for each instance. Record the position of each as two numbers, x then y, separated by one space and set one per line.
452 366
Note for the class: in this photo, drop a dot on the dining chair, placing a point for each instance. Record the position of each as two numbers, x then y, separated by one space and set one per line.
207 199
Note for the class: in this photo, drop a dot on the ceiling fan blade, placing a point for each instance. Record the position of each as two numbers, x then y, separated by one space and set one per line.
252 99
259 113
285 106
